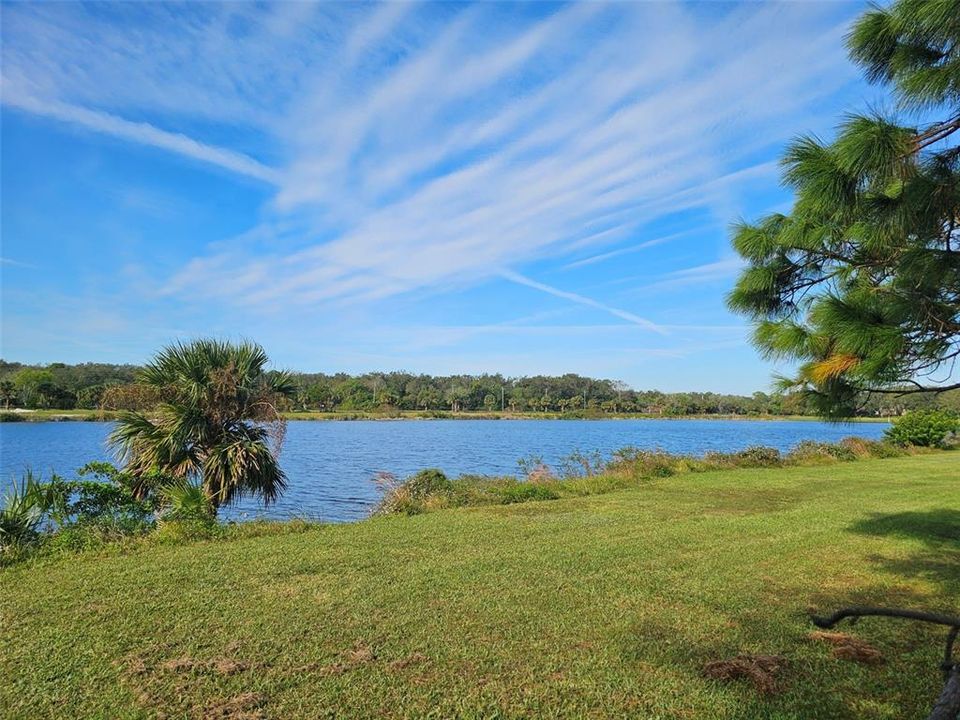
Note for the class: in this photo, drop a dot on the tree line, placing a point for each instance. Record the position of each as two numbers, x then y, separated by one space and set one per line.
114 387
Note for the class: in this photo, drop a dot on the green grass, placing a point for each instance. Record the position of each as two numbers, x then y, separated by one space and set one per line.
605 606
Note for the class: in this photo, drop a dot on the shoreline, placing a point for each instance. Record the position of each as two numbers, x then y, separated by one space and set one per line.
37 416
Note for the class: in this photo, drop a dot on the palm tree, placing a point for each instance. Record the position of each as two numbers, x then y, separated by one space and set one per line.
217 415
8 392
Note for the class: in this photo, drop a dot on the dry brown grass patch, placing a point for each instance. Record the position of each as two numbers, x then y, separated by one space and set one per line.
760 670
221 665
245 706
405 662
848 647
360 654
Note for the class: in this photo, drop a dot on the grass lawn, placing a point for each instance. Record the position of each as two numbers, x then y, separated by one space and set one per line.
602 607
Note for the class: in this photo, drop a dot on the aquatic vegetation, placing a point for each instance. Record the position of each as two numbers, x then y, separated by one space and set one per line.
579 475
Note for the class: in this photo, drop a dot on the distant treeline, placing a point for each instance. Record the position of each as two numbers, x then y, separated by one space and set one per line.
101 385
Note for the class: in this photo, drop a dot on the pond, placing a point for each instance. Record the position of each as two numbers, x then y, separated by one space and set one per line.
331 465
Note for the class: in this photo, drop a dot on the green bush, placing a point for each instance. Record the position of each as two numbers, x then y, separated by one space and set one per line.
428 482
810 451
92 535
413 495
752 457
863 448
925 428
580 464
112 499
72 514
525 492
758 456
646 463
12 417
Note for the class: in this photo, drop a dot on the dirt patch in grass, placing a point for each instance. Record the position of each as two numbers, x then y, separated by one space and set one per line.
848 647
150 683
360 654
245 706
760 670
134 665
405 662
220 666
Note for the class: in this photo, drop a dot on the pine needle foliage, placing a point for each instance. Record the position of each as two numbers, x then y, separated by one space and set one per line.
218 422
860 283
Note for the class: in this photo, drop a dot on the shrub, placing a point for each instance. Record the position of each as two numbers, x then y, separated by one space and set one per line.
76 514
646 463
187 514
924 428
758 456
580 464
863 448
428 482
752 457
112 499
26 506
534 469
525 492
809 451
413 495
12 417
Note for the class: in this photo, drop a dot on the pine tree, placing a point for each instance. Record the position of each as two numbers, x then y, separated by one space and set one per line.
860 283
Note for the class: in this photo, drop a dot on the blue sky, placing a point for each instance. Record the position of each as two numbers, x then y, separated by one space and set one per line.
444 188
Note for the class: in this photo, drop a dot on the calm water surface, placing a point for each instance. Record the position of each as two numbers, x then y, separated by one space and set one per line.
330 465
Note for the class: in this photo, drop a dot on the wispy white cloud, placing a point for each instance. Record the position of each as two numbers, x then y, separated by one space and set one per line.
602 257
143 133
581 300
16 263
696 275
415 147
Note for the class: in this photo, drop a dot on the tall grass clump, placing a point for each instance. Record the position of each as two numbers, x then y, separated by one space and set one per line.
426 490
755 456
640 464
812 452
525 492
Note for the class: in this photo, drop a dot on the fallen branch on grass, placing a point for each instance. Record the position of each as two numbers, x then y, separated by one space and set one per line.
947 706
